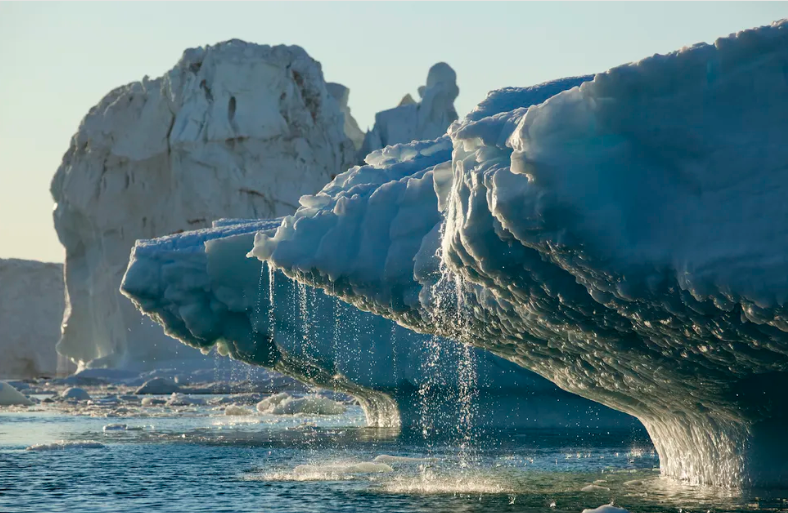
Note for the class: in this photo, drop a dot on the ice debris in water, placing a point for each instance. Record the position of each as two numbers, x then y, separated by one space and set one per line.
75 394
594 488
385 458
63 444
607 508
234 410
10 396
285 404
115 427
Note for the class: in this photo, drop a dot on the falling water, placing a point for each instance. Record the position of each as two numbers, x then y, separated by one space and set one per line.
271 312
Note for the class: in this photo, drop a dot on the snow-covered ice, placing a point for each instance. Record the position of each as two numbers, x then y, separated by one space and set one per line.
622 238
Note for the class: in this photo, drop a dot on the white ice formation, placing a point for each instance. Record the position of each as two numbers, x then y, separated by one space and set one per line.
10 396
626 239
201 287
234 129
415 121
31 307
342 94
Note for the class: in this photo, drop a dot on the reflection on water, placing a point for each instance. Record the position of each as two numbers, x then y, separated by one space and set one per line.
197 459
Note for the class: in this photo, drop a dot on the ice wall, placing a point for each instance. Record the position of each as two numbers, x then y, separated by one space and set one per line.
624 239
415 121
31 307
342 94
234 129
201 287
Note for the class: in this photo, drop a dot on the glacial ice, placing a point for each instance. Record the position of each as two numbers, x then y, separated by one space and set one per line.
342 95
234 129
416 121
10 396
31 307
624 238
201 287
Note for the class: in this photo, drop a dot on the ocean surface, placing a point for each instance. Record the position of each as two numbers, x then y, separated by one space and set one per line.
197 459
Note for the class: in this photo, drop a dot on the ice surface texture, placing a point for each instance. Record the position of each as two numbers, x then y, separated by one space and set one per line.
31 307
625 239
234 129
201 287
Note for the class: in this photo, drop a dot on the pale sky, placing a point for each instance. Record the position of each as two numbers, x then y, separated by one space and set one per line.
58 60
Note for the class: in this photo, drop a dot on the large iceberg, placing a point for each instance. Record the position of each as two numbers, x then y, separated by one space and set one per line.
234 129
414 121
31 306
201 287
625 239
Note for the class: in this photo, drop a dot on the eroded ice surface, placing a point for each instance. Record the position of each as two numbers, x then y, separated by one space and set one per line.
201 287
233 129
625 239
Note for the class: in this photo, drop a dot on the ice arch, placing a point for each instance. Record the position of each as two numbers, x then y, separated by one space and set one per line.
203 290
625 239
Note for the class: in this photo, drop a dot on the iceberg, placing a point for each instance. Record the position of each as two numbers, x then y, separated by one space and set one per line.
31 306
233 129
623 238
201 287
414 121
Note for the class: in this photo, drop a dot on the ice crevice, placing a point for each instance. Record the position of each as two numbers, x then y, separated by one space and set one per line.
624 238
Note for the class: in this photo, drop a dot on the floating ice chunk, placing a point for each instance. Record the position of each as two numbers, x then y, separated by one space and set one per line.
183 400
234 410
385 458
158 386
607 508
75 394
115 427
285 404
10 396
63 444
594 488
152 401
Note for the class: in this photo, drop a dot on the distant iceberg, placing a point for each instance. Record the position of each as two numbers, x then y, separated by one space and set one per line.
624 238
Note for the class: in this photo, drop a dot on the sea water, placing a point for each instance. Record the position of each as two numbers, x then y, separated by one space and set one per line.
197 459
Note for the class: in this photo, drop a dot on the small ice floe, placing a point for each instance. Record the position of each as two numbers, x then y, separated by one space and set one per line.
152 401
183 400
74 394
115 427
385 458
595 488
285 404
10 396
234 410
63 445
158 386
607 508
634 482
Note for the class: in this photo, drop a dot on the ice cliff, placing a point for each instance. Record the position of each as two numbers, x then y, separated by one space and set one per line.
201 287
414 121
234 129
342 95
625 239
31 307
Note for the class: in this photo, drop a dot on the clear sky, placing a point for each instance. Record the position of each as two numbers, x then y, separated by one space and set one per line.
58 60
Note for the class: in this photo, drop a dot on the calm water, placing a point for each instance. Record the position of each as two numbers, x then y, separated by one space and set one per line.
198 460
